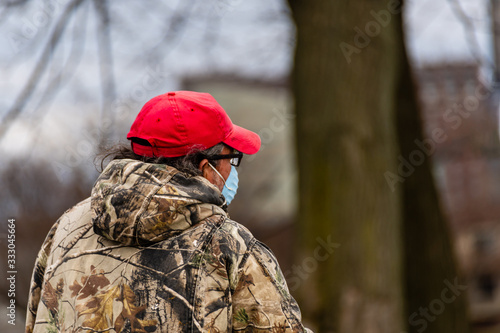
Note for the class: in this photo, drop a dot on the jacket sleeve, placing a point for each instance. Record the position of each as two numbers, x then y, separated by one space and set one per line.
37 279
261 299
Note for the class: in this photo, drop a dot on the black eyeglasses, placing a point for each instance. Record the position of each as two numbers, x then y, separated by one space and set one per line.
234 159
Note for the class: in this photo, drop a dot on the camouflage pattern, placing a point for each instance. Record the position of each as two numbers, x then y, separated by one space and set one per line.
153 250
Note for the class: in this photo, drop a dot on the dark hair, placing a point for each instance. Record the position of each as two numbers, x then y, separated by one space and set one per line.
187 164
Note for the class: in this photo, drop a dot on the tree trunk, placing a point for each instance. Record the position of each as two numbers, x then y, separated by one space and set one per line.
356 108
344 82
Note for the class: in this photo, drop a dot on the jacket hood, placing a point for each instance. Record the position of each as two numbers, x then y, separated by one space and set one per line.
137 203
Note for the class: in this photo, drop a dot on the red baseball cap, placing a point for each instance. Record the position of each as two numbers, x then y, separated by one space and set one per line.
171 124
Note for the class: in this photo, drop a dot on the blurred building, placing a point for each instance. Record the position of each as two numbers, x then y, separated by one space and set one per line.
467 170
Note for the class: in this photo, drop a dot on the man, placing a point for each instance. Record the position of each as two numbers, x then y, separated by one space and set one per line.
152 249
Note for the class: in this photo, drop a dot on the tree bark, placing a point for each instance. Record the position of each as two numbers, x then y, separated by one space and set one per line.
356 117
345 100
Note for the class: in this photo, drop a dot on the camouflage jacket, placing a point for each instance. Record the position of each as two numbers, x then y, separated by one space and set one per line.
153 251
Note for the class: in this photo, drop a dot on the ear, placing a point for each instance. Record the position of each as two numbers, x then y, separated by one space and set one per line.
206 170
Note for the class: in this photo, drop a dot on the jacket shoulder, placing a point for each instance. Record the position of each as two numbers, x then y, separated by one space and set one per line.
231 243
237 231
79 212
71 226
235 240
81 207
260 295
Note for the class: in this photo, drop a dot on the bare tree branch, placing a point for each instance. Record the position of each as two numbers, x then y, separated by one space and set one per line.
68 70
51 90
174 31
106 67
470 34
37 74
14 3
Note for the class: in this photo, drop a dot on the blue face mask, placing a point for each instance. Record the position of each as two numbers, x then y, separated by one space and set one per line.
230 185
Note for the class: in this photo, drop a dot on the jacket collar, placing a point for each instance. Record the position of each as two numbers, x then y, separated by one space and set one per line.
137 203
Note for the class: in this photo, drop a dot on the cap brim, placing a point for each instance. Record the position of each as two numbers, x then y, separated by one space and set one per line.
243 140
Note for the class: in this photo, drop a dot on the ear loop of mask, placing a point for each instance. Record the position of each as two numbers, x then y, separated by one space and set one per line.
220 176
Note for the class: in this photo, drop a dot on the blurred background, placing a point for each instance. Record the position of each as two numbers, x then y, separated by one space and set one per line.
74 74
